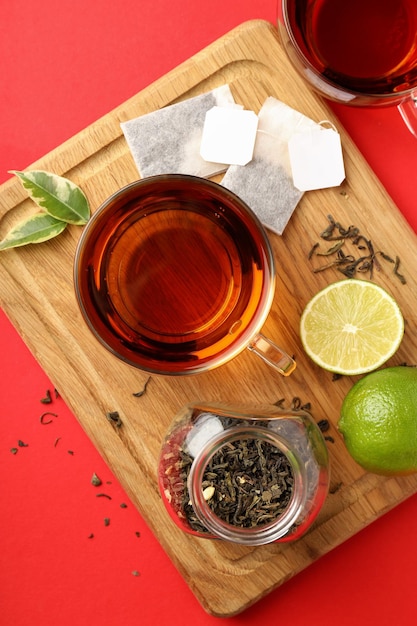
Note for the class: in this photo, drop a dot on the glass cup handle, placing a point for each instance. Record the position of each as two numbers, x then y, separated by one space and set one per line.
408 110
271 354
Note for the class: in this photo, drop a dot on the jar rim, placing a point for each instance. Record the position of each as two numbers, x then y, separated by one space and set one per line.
256 535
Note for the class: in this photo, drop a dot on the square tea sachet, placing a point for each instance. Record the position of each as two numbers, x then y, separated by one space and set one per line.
168 140
266 183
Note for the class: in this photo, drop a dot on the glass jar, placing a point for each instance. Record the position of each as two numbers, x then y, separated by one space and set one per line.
247 475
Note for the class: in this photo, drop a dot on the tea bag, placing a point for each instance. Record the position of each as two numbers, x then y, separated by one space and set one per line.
266 183
168 140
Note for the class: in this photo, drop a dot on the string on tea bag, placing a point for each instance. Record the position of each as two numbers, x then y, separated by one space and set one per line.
266 183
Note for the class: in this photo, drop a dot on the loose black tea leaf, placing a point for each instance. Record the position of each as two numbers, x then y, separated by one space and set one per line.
328 438
247 483
335 488
386 257
335 248
106 521
312 251
135 573
71 452
114 418
57 441
137 533
397 273
22 444
123 505
90 536
47 399
296 404
103 495
14 450
324 425
139 394
95 480
250 481
43 418
351 264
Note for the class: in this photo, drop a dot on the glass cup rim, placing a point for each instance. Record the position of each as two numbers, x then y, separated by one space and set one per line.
232 200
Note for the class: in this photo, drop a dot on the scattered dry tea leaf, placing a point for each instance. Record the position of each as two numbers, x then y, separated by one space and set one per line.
114 418
142 392
47 399
45 417
95 480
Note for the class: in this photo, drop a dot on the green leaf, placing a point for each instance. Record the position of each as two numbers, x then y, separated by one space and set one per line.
60 197
33 229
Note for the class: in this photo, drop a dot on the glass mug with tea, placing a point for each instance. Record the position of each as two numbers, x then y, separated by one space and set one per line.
175 274
357 52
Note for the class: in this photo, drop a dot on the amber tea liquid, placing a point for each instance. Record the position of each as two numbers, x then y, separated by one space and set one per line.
173 284
365 46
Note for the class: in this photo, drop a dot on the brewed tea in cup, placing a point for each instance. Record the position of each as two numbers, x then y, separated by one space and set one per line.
174 274
357 52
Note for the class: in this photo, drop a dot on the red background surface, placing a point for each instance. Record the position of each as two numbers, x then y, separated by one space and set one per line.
63 65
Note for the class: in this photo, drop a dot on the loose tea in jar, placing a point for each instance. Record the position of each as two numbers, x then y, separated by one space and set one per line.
246 475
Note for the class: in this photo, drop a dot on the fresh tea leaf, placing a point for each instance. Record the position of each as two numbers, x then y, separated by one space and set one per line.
59 196
34 229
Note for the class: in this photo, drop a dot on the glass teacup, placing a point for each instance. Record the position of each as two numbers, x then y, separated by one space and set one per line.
175 274
356 52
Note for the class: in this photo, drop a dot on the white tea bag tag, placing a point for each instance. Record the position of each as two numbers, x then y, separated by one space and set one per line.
229 135
316 159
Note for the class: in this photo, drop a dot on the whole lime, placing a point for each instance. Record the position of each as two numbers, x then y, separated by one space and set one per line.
378 421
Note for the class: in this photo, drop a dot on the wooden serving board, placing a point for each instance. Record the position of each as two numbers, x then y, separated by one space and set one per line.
36 292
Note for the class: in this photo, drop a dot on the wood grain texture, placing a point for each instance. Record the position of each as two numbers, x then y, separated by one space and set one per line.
36 292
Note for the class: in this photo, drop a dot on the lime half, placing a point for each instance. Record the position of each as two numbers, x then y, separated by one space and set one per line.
351 327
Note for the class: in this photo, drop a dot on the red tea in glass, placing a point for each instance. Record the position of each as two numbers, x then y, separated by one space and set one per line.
174 274
355 51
